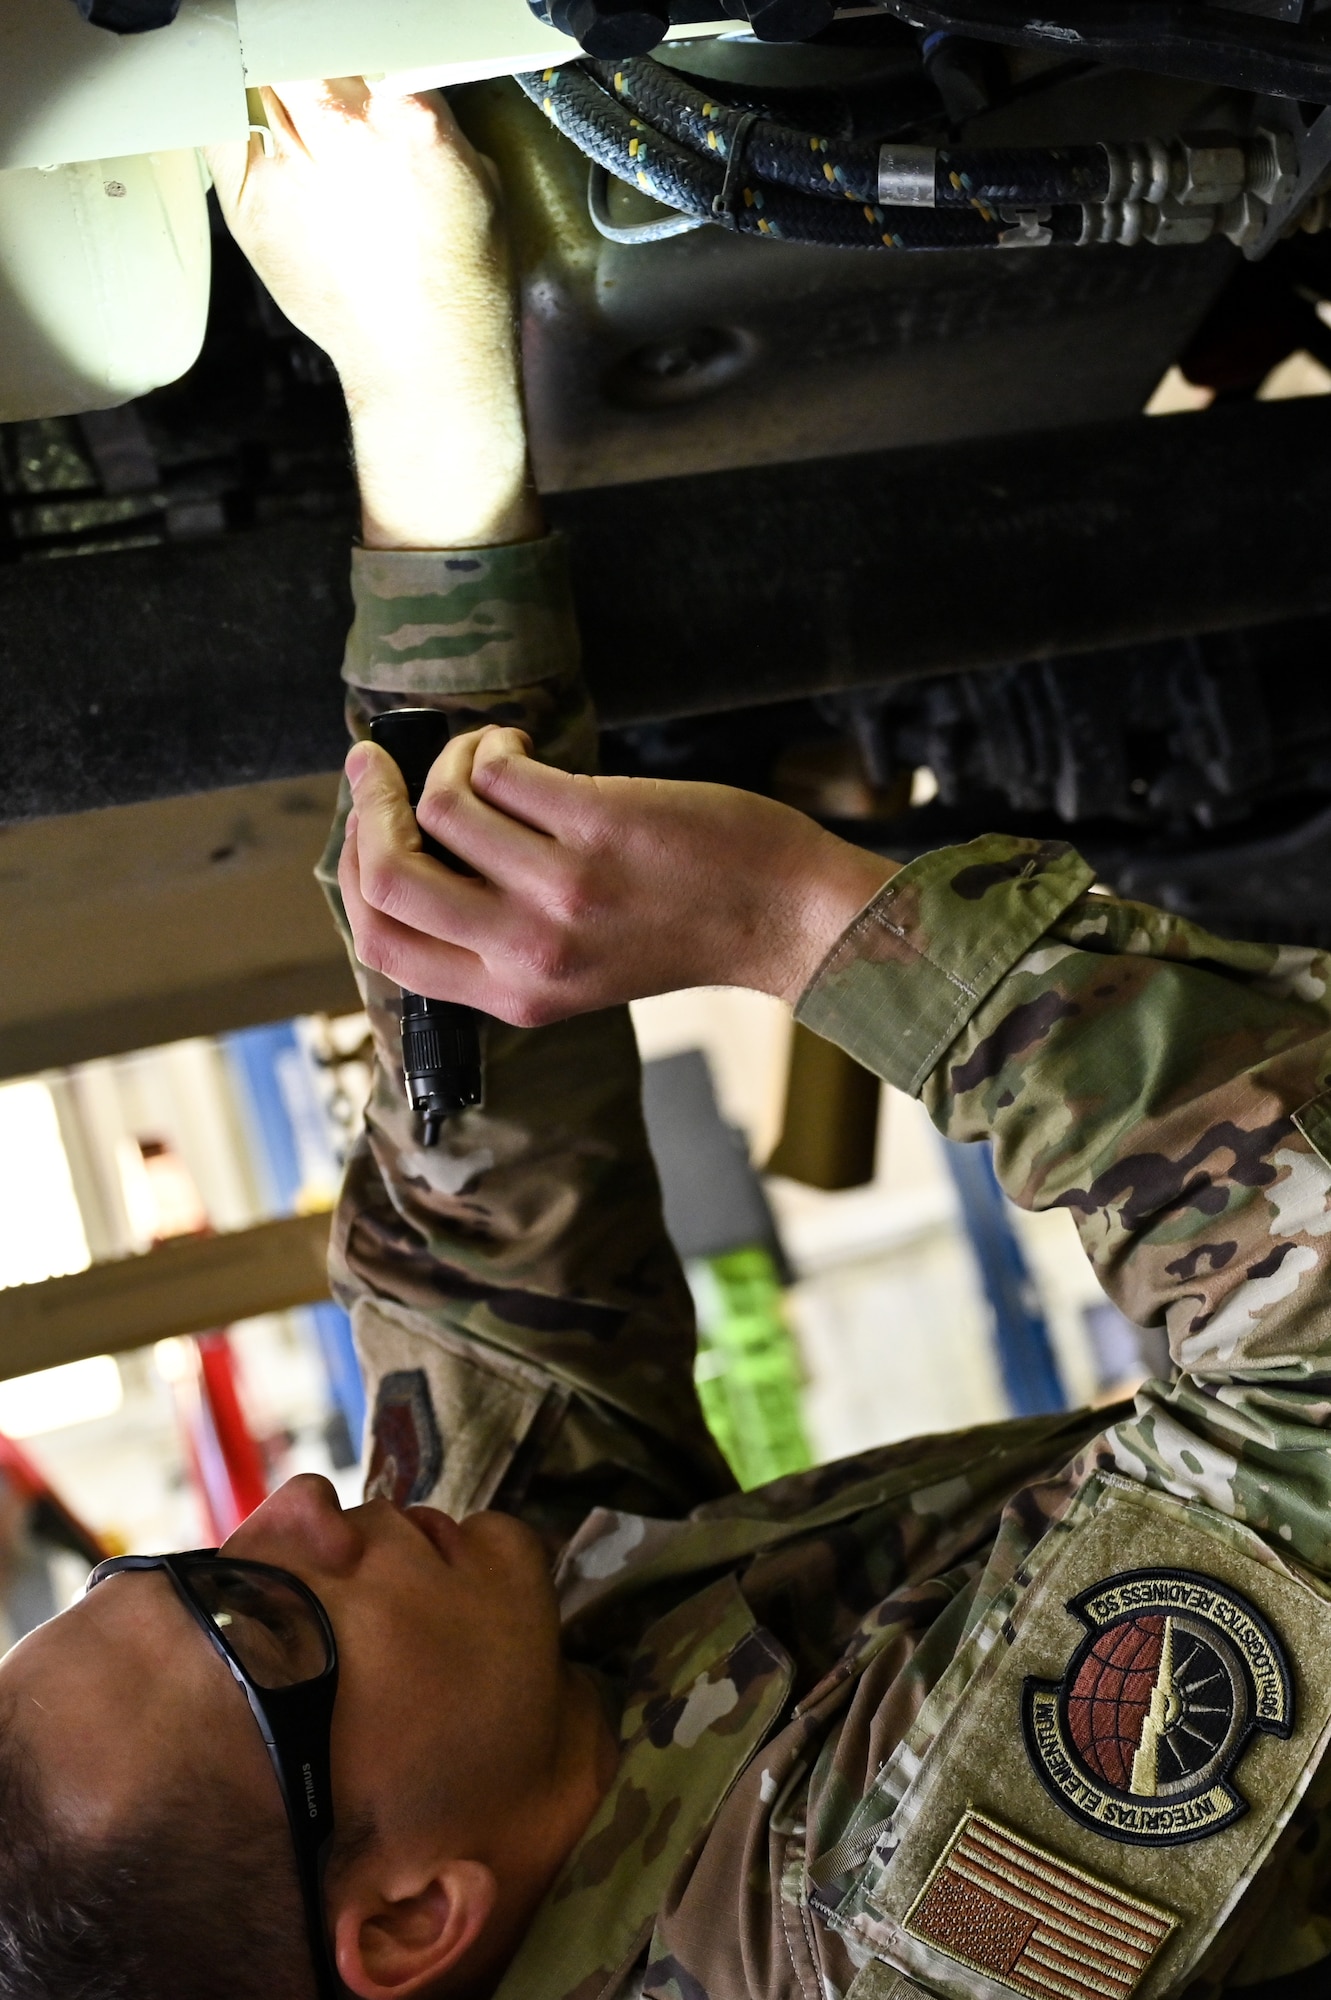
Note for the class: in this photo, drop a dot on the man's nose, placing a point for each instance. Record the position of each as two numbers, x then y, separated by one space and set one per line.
301 1527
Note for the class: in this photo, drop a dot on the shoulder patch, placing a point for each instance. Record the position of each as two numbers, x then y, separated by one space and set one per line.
1156 1706
407 1457
1000 1904
1147 1705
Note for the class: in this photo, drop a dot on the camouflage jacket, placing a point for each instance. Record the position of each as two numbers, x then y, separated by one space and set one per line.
1038 1708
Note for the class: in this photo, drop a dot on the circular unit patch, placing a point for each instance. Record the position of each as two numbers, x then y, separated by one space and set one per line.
1156 1706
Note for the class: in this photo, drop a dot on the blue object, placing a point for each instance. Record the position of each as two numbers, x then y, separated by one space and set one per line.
292 1150
1021 1332
256 1056
332 1330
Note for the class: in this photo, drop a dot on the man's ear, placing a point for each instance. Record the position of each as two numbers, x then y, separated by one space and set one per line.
390 1948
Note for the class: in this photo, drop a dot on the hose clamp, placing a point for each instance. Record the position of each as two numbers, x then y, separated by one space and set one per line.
907 176
723 204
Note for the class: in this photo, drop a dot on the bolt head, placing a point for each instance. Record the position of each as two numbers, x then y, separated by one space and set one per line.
1279 165
789 20
1243 220
1172 224
1213 169
611 29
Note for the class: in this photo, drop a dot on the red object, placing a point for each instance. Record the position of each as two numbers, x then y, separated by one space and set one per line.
1111 1696
240 1455
224 1459
28 1479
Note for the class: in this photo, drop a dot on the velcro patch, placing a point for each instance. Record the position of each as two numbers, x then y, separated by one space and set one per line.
408 1453
1145 1710
1002 1905
450 1414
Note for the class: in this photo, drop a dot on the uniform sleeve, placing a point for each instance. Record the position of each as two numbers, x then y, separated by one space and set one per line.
1166 1086
524 1327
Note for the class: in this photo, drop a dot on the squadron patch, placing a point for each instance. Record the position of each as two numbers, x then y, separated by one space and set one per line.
1002 1905
408 1453
1156 1707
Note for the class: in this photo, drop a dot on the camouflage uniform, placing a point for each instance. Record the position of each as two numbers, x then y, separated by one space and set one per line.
1038 1708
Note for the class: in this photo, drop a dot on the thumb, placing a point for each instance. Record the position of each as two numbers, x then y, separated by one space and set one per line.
380 795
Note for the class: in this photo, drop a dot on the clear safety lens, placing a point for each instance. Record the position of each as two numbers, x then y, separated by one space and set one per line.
272 1630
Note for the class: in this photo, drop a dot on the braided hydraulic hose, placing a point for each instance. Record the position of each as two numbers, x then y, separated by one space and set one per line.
842 169
774 152
842 112
1009 177
634 150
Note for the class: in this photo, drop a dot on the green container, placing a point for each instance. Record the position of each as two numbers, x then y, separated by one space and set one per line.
749 1378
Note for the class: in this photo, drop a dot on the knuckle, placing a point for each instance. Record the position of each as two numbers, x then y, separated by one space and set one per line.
571 899
439 801
549 961
369 947
393 963
383 888
377 950
594 836
531 1011
374 883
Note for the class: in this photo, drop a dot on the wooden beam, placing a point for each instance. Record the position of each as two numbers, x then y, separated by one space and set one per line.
141 924
186 1286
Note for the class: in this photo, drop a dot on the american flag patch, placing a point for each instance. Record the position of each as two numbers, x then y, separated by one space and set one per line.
1003 1906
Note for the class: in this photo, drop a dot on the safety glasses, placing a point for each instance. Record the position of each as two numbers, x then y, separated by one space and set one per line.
276 1638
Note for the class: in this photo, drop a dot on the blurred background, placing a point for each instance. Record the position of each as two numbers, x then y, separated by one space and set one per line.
872 1283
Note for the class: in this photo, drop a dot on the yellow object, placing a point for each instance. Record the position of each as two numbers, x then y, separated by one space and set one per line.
1162 1713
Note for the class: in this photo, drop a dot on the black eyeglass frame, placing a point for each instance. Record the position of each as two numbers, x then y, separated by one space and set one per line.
296 1725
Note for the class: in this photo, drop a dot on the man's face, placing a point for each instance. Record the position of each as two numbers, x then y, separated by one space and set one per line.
448 1693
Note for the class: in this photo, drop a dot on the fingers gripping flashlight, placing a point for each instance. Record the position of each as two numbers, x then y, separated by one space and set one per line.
441 1043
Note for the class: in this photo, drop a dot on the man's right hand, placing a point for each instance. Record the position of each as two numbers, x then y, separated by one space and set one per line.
377 228
588 891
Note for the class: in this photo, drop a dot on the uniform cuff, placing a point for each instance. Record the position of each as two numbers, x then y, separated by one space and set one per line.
455 621
906 975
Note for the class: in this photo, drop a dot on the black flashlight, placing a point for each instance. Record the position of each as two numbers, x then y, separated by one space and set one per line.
441 1041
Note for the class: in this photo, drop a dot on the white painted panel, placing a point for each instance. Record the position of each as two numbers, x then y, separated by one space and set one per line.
415 43
104 273
287 39
69 91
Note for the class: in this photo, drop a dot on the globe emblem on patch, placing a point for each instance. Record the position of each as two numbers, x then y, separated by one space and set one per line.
1157 1699
1156 1706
